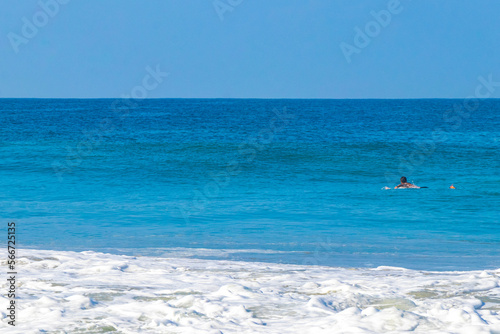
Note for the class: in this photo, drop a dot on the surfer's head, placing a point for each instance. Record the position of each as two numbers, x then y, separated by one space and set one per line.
403 179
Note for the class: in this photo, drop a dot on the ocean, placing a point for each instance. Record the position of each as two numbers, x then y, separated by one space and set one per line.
227 187
287 181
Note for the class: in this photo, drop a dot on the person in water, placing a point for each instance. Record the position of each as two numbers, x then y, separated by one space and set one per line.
405 184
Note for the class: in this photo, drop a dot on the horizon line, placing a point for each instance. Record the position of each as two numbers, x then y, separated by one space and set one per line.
248 98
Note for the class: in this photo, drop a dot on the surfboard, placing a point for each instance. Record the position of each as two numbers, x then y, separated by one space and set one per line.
387 188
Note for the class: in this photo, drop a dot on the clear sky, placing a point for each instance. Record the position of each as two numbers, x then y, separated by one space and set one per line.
248 48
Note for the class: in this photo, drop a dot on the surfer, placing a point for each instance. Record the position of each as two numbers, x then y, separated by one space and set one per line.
405 184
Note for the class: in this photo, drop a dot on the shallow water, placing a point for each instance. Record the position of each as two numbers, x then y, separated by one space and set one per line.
292 181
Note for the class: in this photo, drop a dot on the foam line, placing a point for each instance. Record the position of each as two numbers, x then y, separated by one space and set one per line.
91 292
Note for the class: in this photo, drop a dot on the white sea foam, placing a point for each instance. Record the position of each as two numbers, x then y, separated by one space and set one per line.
88 292
196 252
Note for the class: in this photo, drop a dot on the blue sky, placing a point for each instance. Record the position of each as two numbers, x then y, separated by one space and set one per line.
260 48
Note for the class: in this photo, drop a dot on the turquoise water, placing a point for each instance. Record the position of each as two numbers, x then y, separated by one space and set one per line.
300 179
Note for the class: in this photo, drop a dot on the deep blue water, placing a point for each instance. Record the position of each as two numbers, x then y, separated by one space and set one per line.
301 179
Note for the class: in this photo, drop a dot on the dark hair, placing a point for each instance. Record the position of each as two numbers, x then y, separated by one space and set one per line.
403 179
